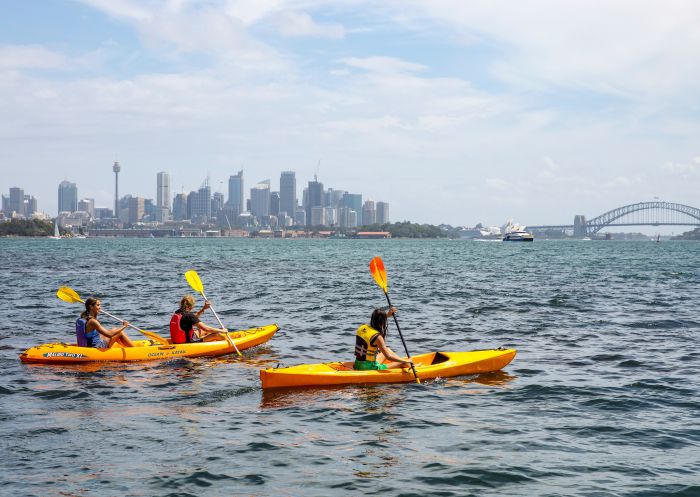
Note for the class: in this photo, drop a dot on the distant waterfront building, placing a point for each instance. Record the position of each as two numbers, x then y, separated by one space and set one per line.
87 205
260 199
235 192
30 205
274 203
369 214
217 203
137 208
318 215
330 216
300 217
67 197
180 207
163 196
199 204
315 199
103 213
354 202
16 202
288 192
347 218
382 213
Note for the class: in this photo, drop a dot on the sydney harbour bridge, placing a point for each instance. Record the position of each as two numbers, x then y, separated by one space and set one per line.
640 214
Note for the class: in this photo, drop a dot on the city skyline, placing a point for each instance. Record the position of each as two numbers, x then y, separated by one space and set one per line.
443 110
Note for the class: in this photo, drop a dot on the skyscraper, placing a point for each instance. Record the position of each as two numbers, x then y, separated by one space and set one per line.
180 207
288 192
369 214
67 197
163 191
16 203
315 198
354 202
260 199
116 168
235 192
274 203
382 213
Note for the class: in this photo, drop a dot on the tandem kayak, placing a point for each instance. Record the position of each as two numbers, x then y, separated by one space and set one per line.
146 350
428 366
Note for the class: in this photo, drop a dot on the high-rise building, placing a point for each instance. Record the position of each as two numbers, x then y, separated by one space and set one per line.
369 214
260 199
235 192
137 209
200 204
16 203
30 205
318 215
315 198
180 207
354 202
87 205
274 203
347 218
116 168
67 197
382 213
288 192
163 191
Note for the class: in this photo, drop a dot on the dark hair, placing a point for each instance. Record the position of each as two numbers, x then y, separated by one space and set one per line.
88 304
378 321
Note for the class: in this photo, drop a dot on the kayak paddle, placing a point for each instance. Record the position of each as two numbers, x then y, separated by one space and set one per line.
376 267
193 279
69 295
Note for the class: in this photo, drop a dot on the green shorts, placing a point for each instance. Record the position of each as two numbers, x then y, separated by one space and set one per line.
368 365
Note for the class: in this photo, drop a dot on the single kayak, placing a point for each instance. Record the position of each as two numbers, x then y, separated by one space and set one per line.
146 350
428 366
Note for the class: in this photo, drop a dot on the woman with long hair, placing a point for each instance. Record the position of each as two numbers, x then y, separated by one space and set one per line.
97 335
371 350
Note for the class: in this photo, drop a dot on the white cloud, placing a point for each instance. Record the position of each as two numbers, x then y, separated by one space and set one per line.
380 64
301 24
30 57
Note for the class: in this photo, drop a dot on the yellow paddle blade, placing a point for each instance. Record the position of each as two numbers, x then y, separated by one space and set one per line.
193 279
69 295
376 267
154 336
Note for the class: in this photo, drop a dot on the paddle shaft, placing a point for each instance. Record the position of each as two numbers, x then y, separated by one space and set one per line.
396 321
147 333
230 340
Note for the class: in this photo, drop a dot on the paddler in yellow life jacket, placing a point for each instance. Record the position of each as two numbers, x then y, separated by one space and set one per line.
371 350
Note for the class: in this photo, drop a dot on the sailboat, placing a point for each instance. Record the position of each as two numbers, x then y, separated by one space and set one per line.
56 233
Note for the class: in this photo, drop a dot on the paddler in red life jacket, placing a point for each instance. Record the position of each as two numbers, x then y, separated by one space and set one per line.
371 350
183 322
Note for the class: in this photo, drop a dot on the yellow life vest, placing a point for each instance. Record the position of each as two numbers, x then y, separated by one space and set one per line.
364 349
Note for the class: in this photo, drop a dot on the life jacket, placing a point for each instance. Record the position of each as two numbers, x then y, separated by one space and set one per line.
80 327
93 338
364 350
177 334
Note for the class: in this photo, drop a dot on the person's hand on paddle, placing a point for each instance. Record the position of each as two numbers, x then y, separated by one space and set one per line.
391 312
125 324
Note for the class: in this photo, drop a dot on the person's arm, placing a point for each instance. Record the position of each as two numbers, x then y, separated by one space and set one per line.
108 332
388 353
209 329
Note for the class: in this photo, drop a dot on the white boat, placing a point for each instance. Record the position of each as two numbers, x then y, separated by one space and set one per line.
56 233
516 233
518 236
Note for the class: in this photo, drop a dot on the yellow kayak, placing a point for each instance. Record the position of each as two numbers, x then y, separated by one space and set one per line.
428 366
146 350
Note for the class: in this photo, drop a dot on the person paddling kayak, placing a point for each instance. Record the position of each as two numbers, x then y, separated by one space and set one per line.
183 322
371 350
91 333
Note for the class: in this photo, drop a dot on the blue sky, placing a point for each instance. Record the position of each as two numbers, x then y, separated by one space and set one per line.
451 111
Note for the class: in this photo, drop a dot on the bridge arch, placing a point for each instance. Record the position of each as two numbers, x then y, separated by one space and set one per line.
596 224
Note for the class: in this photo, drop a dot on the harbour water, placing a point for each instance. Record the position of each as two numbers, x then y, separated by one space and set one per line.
602 399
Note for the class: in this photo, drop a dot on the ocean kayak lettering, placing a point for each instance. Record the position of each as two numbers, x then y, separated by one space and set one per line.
65 354
164 354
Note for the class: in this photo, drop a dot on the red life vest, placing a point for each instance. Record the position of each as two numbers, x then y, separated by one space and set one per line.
177 334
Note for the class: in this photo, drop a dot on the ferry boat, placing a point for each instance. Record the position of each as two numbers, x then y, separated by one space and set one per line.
515 233
518 236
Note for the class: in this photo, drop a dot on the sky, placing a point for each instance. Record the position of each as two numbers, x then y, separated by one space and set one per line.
452 111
